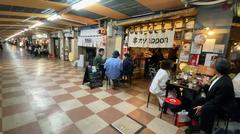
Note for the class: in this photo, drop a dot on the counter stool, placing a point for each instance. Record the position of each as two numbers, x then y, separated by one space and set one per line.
171 103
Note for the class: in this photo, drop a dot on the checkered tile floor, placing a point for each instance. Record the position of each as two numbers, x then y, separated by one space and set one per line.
41 96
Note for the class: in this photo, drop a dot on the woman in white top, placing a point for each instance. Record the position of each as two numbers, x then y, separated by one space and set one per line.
158 84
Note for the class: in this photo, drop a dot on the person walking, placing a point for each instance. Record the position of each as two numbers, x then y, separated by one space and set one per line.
1 46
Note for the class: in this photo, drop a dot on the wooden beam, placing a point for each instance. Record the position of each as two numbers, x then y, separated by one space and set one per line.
156 5
38 4
14 25
43 4
79 19
105 11
50 27
9 33
67 16
17 20
11 13
66 23
5 31
46 29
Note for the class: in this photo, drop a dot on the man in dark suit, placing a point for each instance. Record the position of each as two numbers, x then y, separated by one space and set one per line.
219 98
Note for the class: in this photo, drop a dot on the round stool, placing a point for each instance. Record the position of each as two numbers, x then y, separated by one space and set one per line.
172 103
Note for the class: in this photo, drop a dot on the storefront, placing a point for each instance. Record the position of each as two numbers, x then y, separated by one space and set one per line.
186 36
89 41
41 39
151 40
55 48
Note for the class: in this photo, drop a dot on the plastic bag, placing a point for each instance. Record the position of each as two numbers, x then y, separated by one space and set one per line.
182 119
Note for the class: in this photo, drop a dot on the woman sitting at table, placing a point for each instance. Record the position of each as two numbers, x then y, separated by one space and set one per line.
158 84
218 100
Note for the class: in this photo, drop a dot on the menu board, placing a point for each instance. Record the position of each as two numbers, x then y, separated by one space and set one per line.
93 77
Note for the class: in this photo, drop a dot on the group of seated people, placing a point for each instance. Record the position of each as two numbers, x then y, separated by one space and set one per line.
114 68
219 96
37 50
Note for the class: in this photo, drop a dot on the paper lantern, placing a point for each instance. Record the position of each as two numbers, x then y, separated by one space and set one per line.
200 39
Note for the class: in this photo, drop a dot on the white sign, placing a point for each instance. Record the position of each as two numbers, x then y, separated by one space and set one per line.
39 36
208 46
210 59
219 48
195 48
152 40
90 32
95 41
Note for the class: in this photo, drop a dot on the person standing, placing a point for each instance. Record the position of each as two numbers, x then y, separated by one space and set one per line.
114 68
128 67
1 46
98 60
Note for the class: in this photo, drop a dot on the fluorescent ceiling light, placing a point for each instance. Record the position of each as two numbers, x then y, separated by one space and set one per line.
26 29
36 25
16 34
54 17
83 4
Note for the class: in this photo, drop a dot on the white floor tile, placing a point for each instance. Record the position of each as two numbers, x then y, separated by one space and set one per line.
91 124
125 107
70 104
152 109
54 123
17 120
57 92
123 95
102 94
162 127
41 102
66 85
14 100
80 93
98 106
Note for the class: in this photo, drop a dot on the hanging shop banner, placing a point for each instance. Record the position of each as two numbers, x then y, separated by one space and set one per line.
151 40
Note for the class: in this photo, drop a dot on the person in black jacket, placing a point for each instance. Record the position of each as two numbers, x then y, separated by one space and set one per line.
219 97
128 67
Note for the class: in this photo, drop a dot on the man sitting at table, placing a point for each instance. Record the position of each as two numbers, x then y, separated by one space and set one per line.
158 84
218 100
114 68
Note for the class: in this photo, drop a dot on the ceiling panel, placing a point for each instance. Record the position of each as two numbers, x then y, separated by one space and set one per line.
66 1
14 25
13 17
105 11
10 13
19 9
157 5
38 4
128 7
53 24
67 23
12 22
88 14
17 20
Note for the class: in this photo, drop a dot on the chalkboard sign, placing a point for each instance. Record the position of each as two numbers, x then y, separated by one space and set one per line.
93 77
